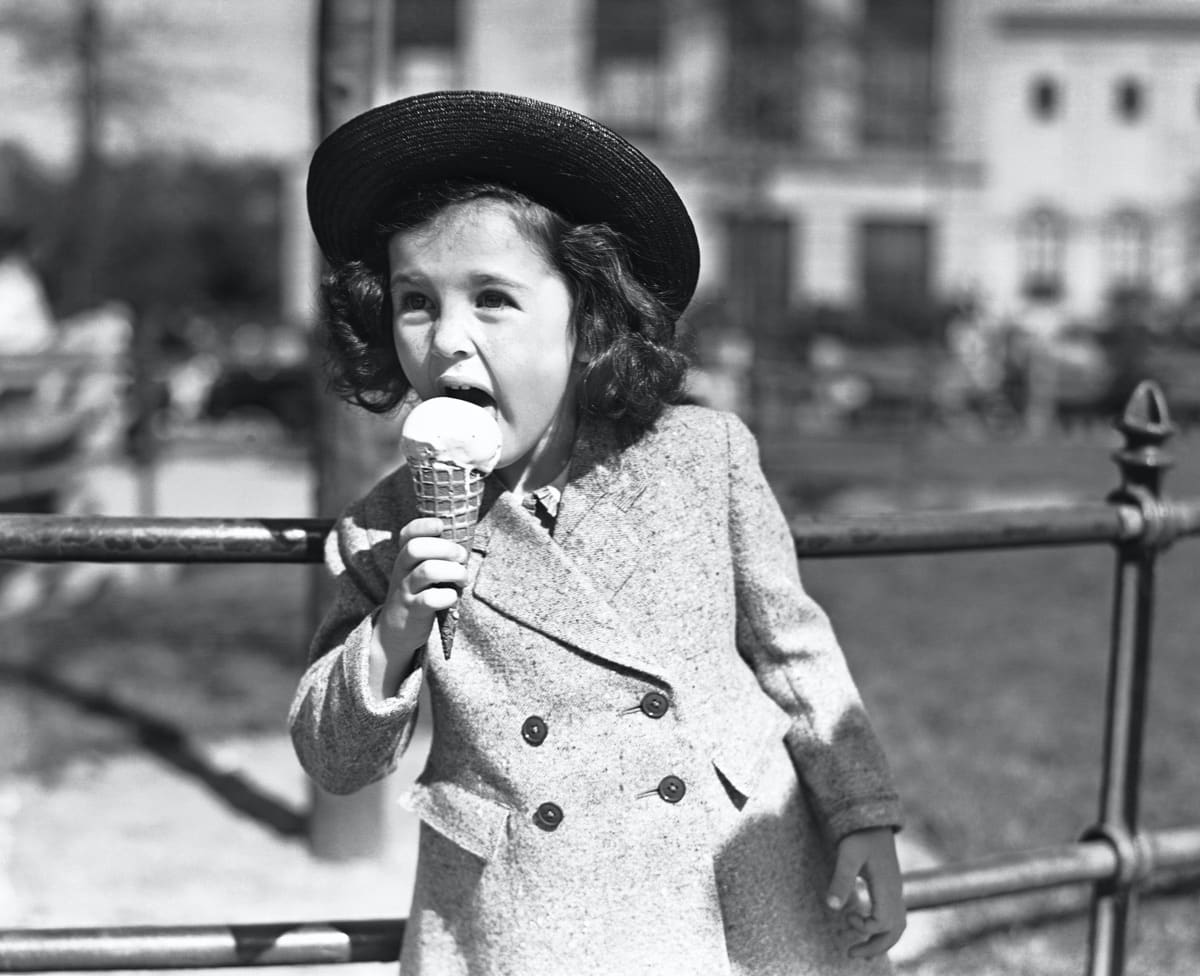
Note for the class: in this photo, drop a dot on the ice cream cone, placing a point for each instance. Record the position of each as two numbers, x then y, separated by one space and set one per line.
453 494
451 446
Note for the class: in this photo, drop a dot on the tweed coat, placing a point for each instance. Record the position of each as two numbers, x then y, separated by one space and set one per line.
612 782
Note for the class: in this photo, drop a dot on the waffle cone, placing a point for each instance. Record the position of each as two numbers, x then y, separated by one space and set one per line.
451 493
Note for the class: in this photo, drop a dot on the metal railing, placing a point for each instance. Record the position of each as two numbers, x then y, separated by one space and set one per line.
1115 856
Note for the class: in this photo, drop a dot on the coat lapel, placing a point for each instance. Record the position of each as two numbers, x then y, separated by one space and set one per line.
563 585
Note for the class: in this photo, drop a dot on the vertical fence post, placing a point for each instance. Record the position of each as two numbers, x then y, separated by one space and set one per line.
1145 426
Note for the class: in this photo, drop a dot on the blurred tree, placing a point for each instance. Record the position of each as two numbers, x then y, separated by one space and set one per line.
194 236
107 79
184 236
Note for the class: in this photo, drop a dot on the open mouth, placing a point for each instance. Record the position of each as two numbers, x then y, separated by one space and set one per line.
470 394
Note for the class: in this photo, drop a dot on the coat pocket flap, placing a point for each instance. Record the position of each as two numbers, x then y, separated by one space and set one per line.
473 822
741 759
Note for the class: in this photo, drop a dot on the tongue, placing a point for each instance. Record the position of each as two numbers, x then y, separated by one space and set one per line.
477 397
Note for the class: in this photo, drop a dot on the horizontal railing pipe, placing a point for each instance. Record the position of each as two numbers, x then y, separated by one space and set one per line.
1049 867
200 946
934 532
378 940
119 539
1010 874
109 539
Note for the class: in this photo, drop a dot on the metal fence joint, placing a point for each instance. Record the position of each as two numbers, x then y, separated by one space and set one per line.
1146 427
1135 858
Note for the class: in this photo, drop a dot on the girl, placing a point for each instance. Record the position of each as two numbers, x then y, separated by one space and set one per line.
648 755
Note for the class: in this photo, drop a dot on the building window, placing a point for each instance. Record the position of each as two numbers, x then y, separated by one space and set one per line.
426 23
1044 99
759 249
426 36
1129 97
628 78
765 83
895 263
1043 245
1128 237
898 73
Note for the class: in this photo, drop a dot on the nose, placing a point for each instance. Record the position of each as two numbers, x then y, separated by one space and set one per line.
451 335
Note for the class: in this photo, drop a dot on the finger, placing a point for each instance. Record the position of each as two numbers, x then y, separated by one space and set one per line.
436 573
860 902
842 884
421 527
877 944
874 946
869 925
429 548
437 598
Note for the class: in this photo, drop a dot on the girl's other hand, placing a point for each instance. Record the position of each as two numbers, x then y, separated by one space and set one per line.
875 917
427 576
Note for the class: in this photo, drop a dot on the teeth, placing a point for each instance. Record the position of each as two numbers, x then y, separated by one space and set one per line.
463 388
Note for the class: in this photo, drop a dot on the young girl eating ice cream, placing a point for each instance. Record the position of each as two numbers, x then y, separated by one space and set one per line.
648 754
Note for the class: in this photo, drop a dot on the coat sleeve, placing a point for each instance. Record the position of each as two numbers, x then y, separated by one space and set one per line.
788 640
344 737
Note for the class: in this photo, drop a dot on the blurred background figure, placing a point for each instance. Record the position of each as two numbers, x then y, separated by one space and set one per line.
1040 326
970 387
26 322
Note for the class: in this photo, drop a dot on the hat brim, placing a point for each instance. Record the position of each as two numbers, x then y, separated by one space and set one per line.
572 164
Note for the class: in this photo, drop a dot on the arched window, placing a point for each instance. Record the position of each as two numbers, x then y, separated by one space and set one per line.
1045 98
1128 237
1042 240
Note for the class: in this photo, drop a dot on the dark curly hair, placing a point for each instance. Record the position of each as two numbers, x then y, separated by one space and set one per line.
633 368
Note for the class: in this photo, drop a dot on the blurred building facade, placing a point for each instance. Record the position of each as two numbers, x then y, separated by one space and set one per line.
881 154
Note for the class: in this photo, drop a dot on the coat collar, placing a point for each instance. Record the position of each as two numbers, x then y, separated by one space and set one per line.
563 585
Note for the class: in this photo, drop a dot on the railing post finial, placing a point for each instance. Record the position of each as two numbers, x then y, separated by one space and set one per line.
1146 426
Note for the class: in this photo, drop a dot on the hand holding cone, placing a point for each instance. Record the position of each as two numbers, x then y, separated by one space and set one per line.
451 446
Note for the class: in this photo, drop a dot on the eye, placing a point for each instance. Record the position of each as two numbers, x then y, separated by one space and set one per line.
494 299
413 301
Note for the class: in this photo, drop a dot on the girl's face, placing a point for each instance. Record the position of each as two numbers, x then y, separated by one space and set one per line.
481 314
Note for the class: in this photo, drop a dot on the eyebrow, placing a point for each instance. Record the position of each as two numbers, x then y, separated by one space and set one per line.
485 278
478 279
401 277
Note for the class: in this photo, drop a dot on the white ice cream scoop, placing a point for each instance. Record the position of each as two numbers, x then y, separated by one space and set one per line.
451 431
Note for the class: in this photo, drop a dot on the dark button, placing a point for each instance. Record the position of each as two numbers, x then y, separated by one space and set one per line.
671 789
655 705
548 816
534 730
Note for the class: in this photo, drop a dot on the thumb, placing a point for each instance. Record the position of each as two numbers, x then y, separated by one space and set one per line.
845 874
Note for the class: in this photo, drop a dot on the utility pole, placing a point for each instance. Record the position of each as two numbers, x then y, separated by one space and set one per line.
354 43
81 285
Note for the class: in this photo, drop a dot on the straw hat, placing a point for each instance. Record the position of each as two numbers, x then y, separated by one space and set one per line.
559 158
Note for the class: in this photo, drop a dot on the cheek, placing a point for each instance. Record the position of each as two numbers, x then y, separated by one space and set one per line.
409 356
407 343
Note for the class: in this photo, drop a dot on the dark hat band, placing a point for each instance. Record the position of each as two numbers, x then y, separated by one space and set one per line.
558 158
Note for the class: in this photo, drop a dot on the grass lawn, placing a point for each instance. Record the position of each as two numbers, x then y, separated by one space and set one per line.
984 673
